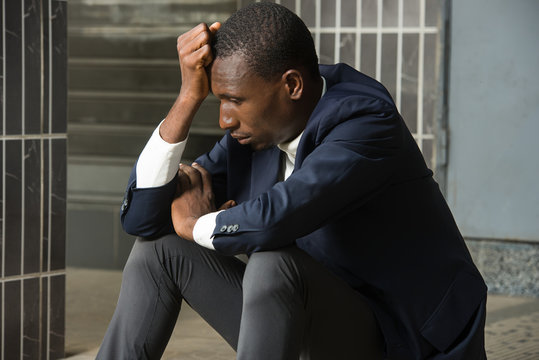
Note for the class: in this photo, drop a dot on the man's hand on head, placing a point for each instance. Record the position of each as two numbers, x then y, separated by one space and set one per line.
194 198
195 56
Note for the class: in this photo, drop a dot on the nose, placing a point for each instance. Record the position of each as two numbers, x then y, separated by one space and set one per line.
226 119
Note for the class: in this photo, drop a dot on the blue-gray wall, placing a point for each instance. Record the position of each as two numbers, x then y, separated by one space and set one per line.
493 165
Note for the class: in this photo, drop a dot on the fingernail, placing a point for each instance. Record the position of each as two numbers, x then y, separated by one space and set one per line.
194 164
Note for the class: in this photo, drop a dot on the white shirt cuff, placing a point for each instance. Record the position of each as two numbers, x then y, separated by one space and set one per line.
158 162
203 229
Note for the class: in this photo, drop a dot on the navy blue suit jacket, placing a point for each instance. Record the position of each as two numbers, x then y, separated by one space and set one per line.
360 200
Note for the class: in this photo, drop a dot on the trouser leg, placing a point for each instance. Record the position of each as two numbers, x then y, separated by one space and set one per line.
292 304
157 276
294 307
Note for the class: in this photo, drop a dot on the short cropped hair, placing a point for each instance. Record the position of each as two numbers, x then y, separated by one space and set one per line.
271 38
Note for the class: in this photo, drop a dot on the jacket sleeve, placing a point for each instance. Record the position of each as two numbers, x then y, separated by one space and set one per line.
146 212
353 162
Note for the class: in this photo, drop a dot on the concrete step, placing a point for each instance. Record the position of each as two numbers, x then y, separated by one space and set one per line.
154 45
113 141
91 297
124 75
111 108
103 15
133 108
512 329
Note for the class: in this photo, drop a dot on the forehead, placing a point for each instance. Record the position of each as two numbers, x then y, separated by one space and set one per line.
232 73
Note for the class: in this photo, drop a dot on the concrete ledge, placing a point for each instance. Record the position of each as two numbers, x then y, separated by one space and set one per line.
512 329
91 297
509 267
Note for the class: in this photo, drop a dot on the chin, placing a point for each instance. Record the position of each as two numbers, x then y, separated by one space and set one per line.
260 147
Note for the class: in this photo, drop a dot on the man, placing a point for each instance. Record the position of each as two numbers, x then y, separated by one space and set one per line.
353 251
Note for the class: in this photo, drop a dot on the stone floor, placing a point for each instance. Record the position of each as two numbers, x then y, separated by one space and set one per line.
512 331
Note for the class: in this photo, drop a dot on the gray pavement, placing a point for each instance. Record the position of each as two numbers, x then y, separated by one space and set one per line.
512 331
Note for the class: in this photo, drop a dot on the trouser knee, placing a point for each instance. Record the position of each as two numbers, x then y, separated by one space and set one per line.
272 273
142 254
148 256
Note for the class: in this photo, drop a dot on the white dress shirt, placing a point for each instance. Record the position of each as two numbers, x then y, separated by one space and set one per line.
159 161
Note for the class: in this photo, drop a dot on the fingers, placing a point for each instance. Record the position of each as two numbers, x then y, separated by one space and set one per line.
192 177
198 37
195 55
205 177
197 47
189 177
206 54
188 37
227 205
201 40
184 183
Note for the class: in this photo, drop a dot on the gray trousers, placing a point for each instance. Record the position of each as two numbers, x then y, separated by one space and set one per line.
280 305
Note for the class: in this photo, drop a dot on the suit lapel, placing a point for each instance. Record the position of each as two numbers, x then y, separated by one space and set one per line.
265 170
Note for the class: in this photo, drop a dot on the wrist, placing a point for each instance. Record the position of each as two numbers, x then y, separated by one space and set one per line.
190 99
176 126
185 228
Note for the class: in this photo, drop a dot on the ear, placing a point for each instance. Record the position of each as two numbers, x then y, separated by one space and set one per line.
293 81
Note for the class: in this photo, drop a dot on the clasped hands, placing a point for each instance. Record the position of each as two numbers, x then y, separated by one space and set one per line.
194 198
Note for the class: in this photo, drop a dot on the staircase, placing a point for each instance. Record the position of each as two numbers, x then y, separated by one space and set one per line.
123 78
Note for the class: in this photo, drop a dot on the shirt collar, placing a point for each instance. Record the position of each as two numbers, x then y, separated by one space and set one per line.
291 147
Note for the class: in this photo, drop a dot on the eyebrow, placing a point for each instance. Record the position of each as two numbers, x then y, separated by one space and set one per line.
229 96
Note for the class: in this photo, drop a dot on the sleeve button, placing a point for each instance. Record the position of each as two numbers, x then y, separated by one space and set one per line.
124 205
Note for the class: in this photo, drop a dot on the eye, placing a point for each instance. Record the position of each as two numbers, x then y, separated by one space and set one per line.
235 101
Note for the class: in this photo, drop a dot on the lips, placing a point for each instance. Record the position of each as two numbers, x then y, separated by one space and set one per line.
241 139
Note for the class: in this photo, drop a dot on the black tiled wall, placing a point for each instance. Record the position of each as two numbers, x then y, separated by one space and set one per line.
33 94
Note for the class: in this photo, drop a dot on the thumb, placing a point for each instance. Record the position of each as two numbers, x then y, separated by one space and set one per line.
227 205
214 27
